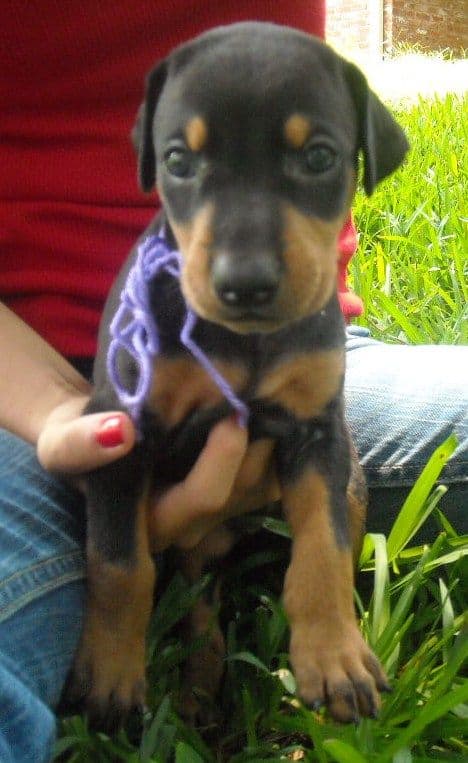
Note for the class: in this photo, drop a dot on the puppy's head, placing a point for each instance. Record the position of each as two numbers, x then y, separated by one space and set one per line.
251 134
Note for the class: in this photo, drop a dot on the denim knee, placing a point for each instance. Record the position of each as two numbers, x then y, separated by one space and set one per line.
42 574
402 401
27 725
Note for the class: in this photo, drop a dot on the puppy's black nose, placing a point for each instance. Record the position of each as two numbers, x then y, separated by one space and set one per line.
245 282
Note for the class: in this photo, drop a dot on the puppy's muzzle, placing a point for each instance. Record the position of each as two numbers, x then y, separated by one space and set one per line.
246 283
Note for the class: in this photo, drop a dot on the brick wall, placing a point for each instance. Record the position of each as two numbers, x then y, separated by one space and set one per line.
354 24
430 24
376 26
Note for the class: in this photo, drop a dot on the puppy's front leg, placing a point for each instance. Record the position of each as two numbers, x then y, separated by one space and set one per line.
332 663
109 671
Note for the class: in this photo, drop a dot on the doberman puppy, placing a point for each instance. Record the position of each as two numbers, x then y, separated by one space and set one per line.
251 134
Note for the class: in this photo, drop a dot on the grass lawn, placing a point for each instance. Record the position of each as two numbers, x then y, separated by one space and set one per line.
412 273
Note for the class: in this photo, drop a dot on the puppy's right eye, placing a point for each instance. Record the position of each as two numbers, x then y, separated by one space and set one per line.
319 158
179 162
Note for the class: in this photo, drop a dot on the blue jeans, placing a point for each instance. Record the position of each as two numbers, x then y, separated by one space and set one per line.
41 599
401 403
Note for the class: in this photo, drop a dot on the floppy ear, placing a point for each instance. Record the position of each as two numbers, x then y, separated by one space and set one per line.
381 139
142 133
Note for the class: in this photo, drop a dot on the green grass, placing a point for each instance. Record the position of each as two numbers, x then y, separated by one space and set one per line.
412 265
411 273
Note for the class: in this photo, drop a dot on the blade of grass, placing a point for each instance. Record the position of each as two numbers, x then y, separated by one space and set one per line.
447 612
149 742
391 636
427 715
444 697
186 754
380 606
414 510
343 752
411 331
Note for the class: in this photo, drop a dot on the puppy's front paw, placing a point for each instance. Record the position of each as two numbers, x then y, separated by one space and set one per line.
337 669
107 681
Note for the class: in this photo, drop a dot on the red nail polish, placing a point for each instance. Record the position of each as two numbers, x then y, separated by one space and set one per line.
110 433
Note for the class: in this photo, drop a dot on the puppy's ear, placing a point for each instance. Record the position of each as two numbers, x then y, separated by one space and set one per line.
142 133
381 139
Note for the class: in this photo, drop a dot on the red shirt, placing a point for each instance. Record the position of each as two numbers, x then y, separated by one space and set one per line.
71 82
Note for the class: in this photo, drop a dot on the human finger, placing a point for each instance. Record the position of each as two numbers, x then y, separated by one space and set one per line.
205 490
72 443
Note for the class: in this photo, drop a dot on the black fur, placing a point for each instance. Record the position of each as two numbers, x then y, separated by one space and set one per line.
200 78
245 81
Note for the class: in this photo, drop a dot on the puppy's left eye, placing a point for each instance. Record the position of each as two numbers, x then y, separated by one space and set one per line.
179 162
319 158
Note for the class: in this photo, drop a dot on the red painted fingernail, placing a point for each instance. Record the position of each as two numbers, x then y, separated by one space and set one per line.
110 433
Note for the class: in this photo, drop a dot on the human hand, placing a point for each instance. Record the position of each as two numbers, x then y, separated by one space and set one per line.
71 444
230 477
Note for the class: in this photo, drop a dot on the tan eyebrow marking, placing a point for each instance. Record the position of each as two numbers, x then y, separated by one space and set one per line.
196 133
297 129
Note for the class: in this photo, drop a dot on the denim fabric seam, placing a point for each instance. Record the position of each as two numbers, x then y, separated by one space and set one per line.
23 587
389 476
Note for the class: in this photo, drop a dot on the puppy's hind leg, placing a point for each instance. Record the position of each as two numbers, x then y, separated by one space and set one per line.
204 667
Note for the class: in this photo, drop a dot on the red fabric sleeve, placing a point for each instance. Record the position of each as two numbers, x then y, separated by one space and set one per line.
350 303
72 80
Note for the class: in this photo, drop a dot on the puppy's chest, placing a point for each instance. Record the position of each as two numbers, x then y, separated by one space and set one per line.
298 369
300 383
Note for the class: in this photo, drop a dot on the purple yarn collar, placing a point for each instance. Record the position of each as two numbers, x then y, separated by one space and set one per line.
134 330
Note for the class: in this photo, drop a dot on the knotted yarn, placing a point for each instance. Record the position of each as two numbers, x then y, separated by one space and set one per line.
134 330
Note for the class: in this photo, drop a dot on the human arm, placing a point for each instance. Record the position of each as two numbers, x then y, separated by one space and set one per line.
41 400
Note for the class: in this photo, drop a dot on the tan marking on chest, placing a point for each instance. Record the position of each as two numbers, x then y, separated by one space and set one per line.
181 385
305 383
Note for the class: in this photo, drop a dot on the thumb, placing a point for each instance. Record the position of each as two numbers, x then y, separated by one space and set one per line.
71 443
201 496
